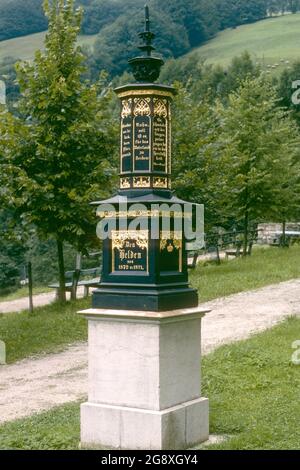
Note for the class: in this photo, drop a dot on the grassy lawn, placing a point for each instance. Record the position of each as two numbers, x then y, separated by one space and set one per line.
266 266
56 429
267 41
23 292
253 389
56 326
24 47
49 329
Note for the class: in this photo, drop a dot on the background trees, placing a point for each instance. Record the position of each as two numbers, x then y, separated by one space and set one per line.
61 139
21 17
240 157
182 24
261 151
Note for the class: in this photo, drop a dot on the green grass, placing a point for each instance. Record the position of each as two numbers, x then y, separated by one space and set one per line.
23 292
55 429
253 389
49 329
267 41
24 47
266 266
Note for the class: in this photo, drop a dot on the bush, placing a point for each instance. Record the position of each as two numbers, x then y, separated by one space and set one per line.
9 274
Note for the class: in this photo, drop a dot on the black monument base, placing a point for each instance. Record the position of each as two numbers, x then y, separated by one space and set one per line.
153 300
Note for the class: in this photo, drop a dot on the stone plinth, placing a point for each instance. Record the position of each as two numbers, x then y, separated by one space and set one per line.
144 380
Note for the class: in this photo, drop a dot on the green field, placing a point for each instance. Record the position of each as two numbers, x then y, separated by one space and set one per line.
24 47
271 41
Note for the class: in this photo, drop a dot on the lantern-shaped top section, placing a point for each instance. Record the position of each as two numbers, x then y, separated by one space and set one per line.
145 162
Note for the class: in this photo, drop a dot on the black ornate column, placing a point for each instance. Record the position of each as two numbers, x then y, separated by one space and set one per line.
142 272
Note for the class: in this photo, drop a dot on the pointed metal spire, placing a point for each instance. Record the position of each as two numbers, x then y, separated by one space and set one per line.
147 18
147 67
147 36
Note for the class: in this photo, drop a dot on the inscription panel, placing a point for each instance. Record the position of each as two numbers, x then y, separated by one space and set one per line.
145 142
126 136
130 249
142 143
160 135
126 145
160 144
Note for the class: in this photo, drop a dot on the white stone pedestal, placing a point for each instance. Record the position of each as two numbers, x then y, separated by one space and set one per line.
144 381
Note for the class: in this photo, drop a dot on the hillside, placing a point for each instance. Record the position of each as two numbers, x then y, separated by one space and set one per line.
181 24
271 41
25 47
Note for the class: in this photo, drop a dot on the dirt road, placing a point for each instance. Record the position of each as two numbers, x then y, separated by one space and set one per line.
34 385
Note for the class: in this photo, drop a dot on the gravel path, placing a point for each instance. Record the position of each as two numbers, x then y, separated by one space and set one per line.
23 304
39 300
34 385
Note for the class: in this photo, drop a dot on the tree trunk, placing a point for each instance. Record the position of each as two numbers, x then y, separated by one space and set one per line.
246 224
61 268
30 285
78 261
218 253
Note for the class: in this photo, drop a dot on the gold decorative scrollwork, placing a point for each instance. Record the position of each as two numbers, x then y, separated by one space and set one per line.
151 92
140 213
176 238
160 182
142 107
141 182
126 108
160 108
119 237
124 183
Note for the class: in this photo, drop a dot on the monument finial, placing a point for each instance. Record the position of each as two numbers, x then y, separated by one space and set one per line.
147 18
147 36
146 68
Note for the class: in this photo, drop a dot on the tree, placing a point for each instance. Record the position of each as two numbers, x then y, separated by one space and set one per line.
8 75
288 91
287 192
260 139
293 5
11 237
21 17
62 140
196 157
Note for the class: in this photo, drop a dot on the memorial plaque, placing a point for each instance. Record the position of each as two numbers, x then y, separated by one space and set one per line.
142 143
142 135
160 144
130 250
160 136
126 136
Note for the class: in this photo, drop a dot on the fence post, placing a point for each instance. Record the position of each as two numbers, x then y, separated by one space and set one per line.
30 285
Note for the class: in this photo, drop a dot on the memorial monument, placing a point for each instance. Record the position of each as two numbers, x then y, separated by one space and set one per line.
145 324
